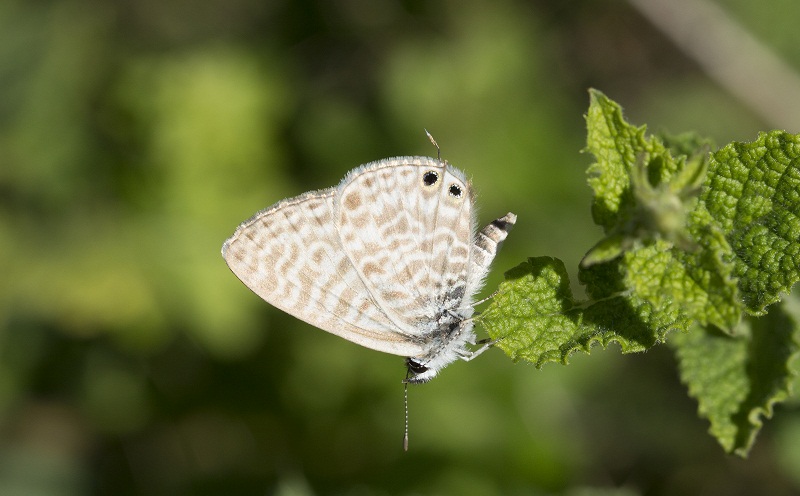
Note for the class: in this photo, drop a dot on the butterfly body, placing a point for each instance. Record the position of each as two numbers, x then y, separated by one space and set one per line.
389 259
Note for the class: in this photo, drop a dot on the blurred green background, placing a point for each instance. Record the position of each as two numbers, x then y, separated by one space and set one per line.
136 135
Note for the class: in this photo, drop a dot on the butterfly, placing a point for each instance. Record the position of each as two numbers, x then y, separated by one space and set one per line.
389 259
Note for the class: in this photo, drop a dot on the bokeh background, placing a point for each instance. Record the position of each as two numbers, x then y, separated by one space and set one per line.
135 135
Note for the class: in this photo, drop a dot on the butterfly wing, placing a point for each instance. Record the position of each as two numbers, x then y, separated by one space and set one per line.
406 226
290 255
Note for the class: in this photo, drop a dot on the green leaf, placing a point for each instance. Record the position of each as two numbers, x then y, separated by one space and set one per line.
737 379
676 258
615 145
753 194
607 249
693 242
687 144
663 264
716 298
530 314
641 192
535 317
629 297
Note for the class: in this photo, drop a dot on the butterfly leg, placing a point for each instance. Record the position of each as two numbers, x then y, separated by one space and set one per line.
485 345
484 300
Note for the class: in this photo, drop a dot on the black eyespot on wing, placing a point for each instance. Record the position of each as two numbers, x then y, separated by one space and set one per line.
430 178
455 191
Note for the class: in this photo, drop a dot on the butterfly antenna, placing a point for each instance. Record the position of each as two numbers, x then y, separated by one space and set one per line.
433 141
405 404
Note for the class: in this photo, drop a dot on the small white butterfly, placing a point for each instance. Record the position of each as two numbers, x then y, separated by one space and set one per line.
389 259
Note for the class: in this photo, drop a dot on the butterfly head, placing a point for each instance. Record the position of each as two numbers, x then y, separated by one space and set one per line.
456 333
417 372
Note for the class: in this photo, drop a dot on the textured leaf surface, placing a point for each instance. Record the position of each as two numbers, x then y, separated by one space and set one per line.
615 144
753 193
542 321
737 380
536 318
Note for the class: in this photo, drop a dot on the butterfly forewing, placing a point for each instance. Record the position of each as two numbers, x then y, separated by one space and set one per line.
406 225
291 256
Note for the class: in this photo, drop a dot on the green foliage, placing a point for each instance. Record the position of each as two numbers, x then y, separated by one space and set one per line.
694 242
737 379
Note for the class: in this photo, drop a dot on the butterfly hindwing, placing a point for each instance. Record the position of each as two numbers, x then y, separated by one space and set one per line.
290 255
